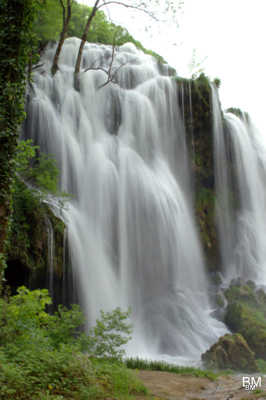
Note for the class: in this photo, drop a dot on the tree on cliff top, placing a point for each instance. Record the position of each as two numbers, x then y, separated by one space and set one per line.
148 7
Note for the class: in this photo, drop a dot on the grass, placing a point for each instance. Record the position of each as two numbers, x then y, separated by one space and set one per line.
117 380
137 363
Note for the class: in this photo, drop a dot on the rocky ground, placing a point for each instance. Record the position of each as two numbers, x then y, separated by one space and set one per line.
169 386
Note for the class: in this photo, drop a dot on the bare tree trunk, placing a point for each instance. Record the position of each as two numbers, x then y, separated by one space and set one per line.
82 43
66 19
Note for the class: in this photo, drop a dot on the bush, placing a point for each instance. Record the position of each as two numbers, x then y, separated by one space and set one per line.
45 356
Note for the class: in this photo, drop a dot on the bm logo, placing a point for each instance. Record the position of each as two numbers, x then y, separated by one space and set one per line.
251 383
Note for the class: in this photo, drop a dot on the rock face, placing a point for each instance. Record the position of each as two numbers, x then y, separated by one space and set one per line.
196 103
29 249
231 351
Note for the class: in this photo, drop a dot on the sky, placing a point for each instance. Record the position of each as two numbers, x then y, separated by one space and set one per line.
230 35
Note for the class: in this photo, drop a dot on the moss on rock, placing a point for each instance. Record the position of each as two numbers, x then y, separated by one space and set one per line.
231 351
246 314
239 113
250 323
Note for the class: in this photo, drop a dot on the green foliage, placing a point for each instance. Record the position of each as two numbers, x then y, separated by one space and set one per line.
22 316
138 363
23 319
42 355
106 339
18 45
32 171
25 203
48 26
48 23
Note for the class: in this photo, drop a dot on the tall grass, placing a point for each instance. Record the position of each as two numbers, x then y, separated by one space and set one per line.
138 363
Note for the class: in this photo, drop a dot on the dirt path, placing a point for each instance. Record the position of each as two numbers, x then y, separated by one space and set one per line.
169 386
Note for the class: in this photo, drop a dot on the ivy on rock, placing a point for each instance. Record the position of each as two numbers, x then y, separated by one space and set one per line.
16 39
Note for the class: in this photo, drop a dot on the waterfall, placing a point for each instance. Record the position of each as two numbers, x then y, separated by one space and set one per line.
122 152
223 184
240 174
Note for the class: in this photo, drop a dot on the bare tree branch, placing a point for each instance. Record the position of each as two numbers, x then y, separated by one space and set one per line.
140 7
98 5
111 77
37 66
112 60
95 69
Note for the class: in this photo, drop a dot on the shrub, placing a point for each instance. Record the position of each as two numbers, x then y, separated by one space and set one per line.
42 356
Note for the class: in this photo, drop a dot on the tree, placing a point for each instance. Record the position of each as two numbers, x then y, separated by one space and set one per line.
142 6
83 40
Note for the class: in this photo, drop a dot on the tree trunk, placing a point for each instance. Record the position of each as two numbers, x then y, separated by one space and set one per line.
82 43
66 20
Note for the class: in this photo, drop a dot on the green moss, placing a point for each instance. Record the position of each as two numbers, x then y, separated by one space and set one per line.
242 293
239 113
205 212
31 217
231 351
246 314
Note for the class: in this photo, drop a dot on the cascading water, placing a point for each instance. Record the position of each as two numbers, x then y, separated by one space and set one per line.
122 153
240 183
223 184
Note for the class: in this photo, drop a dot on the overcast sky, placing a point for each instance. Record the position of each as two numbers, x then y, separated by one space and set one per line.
230 34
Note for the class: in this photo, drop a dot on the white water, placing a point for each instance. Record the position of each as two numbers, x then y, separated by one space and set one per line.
223 184
122 153
241 193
